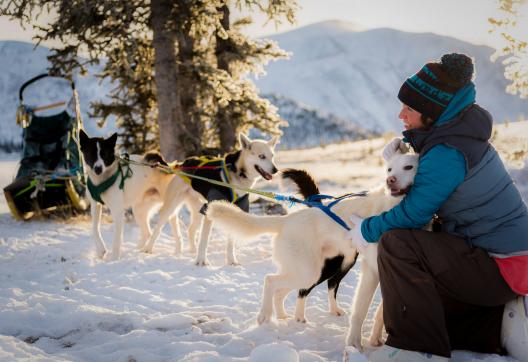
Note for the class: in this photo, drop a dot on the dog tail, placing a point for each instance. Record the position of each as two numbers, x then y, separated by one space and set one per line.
153 158
232 220
304 182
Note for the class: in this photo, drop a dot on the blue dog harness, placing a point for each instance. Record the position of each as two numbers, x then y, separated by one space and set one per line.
315 201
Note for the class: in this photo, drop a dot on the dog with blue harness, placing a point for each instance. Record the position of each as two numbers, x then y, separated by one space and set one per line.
315 244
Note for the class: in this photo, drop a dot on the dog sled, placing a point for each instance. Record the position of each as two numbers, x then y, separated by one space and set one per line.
50 177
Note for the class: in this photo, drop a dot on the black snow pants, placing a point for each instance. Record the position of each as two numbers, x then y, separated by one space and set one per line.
440 293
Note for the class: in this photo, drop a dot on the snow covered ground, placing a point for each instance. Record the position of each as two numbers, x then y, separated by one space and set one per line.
59 303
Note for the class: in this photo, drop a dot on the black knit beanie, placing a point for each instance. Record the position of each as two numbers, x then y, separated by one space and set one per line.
431 89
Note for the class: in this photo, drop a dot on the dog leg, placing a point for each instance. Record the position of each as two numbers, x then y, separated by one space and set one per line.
368 282
333 286
333 307
230 252
278 299
196 220
141 214
176 233
375 338
173 200
300 307
272 283
201 258
118 217
96 211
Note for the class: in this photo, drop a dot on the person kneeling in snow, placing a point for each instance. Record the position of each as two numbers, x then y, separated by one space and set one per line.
447 290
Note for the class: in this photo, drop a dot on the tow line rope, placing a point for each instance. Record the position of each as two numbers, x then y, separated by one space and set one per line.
312 201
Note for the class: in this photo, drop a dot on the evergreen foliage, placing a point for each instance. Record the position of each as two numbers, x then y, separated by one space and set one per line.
179 68
514 49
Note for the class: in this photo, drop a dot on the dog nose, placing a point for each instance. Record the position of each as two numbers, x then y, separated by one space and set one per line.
98 170
274 170
391 180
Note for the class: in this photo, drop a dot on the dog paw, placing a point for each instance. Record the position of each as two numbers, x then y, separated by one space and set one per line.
300 319
283 316
354 341
146 249
233 262
263 317
101 253
201 262
338 312
114 256
375 341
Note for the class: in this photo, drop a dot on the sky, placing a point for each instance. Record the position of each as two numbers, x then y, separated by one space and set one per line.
463 19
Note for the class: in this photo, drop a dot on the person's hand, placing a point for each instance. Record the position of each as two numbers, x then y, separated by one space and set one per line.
394 146
355 234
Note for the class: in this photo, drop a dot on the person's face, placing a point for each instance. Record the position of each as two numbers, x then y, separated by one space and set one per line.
411 119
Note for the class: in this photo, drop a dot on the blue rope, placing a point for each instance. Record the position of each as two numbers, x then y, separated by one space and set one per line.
315 201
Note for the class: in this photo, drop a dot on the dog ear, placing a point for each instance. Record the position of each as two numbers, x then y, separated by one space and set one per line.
274 141
245 141
112 139
395 146
83 139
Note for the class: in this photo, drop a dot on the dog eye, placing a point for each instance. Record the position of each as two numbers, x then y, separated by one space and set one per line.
389 170
262 157
408 167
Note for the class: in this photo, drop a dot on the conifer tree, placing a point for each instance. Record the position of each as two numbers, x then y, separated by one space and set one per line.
133 98
163 60
239 56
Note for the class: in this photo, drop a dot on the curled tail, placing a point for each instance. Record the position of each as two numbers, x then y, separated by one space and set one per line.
304 182
240 224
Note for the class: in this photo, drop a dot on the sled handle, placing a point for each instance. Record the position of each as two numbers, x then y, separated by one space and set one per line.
48 106
38 77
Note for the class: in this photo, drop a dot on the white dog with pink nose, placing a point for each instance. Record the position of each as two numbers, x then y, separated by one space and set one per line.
306 238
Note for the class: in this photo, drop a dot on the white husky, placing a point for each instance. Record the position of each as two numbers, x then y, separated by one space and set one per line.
143 189
242 168
306 238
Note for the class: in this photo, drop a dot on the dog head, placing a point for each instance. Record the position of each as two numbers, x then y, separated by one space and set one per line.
98 153
401 167
257 157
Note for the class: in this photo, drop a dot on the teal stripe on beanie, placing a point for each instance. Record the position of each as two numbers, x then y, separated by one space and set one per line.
423 93
462 98
429 72
433 92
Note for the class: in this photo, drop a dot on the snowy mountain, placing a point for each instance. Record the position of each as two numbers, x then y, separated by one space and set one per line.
337 81
310 127
356 75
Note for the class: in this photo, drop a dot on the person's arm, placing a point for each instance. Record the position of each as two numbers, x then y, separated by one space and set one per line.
439 173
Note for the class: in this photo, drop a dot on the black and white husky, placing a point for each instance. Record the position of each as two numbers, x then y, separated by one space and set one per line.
242 168
310 247
142 188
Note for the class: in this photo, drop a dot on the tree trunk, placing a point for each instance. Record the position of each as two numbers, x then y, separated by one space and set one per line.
189 93
226 133
170 115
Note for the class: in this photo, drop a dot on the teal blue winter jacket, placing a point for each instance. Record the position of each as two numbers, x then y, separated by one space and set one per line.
460 178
